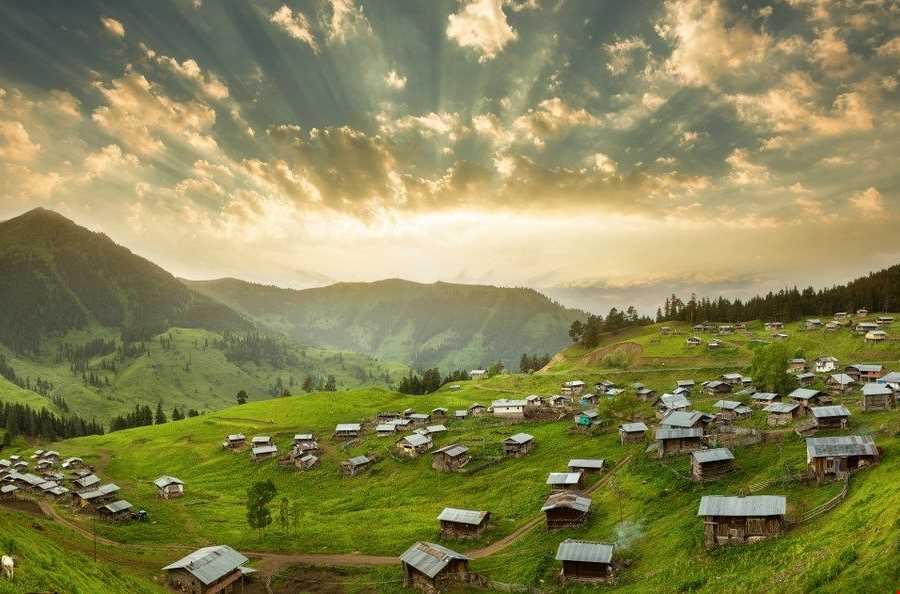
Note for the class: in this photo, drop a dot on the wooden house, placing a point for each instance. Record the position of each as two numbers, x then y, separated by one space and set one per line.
646 394
169 487
587 418
509 409
208 570
261 440
431 568
460 415
875 336
693 341
763 399
385 429
835 457
725 329
450 458
96 497
439 412
305 442
572 388
863 327
774 326
73 463
665 330
355 465
732 410
830 417
669 403
306 462
714 344
813 324
797 364
884 320
806 379
632 432
781 413
8 491
347 431
733 379
565 481
534 401
585 562
877 396
559 401
386 416
476 409
420 419
683 419
518 445
87 482
117 511
478 374
677 440
415 444
586 465
716 387
565 509
462 523
839 383
234 442
892 380
863 372
780 336
263 452
825 364
711 464
685 385
806 397
736 520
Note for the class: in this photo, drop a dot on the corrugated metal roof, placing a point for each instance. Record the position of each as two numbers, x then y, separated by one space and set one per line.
504 403
584 551
460 413
804 393
261 439
416 440
890 378
430 558
117 506
462 516
751 506
452 450
824 412
727 404
632 427
359 460
681 418
385 428
867 367
876 390
563 478
347 427
210 563
87 481
596 463
842 379
684 383
236 437
840 446
764 396
303 437
678 432
520 438
674 401
781 407
269 449
8 488
165 481
419 416
567 500
715 455
436 428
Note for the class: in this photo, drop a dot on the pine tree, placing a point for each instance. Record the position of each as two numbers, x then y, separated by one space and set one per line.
160 415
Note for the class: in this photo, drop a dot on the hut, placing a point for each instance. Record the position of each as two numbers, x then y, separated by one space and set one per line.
432 568
806 379
305 442
518 445
433 429
683 419
509 409
797 364
646 394
439 412
587 418
584 561
763 399
826 364
559 401
781 413
234 442
476 409
169 487
677 440
586 465
836 457
355 465
564 481
671 402
462 523
685 384
566 509
460 414
477 374
693 341
8 491
734 520
572 388
385 429
732 410
534 401
415 444
306 462
877 397
207 570
347 431
716 387
450 458
86 482
419 419
96 497
839 383
73 463
830 417
263 452
632 432
863 372
711 464
806 397
117 511
388 415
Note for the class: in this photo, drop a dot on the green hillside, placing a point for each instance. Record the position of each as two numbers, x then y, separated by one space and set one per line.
446 325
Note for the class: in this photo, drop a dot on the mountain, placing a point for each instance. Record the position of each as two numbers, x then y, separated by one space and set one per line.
56 276
446 325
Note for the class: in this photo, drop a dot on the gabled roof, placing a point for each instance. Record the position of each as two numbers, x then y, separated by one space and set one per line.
236 437
416 440
684 383
117 506
520 438
567 500
462 516
682 418
764 396
678 432
890 378
210 563
475 405
714 455
633 427
460 413
261 439
347 427
452 450
435 428
841 379
594 463
841 445
876 390
100 491
504 403
165 481
591 414
866 368
573 383
781 407
804 394
87 481
385 427
267 449
727 404
430 558
303 437
584 552
563 478
358 460
752 506
825 412
674 401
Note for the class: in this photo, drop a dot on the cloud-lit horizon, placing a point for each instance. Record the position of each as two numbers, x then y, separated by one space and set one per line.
605 152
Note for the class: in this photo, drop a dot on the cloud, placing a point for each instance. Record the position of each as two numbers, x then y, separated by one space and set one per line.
295 25
549 118
110 158
489 126
869 202
831 52
482 26
188 69
621 54
889 48
113 26
16 143
743 171
395 80
603 164
430 125
347 20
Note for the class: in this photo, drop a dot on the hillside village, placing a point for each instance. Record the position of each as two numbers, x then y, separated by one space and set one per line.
704 428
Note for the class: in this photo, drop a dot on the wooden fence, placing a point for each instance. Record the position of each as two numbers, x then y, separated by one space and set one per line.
825 507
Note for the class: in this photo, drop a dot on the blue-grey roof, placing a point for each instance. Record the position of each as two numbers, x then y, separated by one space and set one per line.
804 394
563 478
416 440
117 506
385 427
100 491
452 450
359 460
781 407
503 402
682 418
87 481
236 437
823 412
568 500
727 404
261 439
876 390
430 558
8 488
684 383
751 506
520 438
841 445
591 414
633 427
462 516
347 427
303 437
210 563
584 551
436 428
674 401
595 463
866 367
678 432
419 416
165 481
268 449
890 378
714 455
764 396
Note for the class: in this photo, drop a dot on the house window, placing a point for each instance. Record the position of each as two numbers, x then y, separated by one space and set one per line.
755 526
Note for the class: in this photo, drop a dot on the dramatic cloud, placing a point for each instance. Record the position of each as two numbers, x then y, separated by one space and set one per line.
347 20
482 26
15 143
869 202
113 26
395 80
294 24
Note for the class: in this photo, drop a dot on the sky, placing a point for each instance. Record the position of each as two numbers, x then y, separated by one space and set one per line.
604 152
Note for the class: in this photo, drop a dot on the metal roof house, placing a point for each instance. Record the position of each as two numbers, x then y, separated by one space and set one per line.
462 523
765 398
732 409
584 561
415 444
207 570
840 383
632 432
450 458
717 387
561 481
347 431
836 457
677 440
806 397
566 509
385 429
169 487
830 417
877 396
431 568
118 511
586 465
670 402
864 372
735 520
682 418
510 409
518 445
234 441
781 413
263 452
711 464
355 465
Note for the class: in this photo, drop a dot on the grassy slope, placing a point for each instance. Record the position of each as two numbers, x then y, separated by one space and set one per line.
210 384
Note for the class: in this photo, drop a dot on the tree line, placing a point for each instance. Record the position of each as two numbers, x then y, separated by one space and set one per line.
40 386
589 332
21 419
143 415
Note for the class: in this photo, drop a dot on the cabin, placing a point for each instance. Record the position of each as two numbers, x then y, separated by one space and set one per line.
632 432
693 341
714 344
712 464
586 465
306 462
830 417
509 409
585 562
415 444
780 336
169 487
385 429
476 409
737 520
732 410
726 329
261 440
587 418
716 387
263 452
781 413
669 403
117 511
432 429
884 320
862 312
439 412
665 330
864 327
572 388
8 492
684 385
877 396
733 379
806 397
207 570
95 497
460 414
431 568
450 458
86 482
806 379
683 419
478 374
534 401
839 383
386 416
566 509
832 326
836 457
763 399
356 465
234 442
812 324
588 399
677 440
875 336
347 431
774 325
565 481
518 445
646 394
826 364
863 373
559 401
462 523
305 442
797 364
892 380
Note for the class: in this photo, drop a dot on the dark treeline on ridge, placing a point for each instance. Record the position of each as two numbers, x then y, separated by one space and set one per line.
589 332
879 291
21 419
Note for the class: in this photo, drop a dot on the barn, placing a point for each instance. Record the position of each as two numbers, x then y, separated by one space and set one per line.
632 432
877 397
677 440
830 417
450 458
585 561
344 431
735 520
566 509
432 568
763 399
586 465
169 487
415 444
518 445
207 570
836 457
711 464
806 397
462 523
781 413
